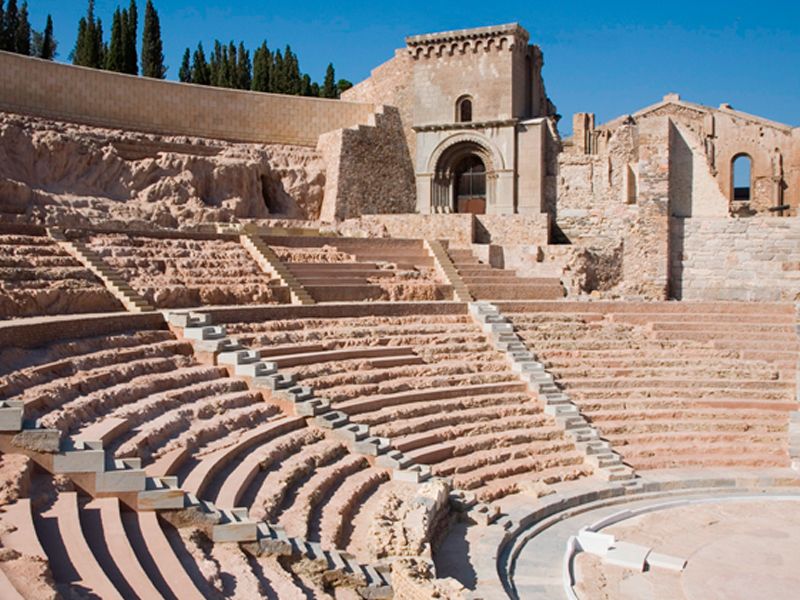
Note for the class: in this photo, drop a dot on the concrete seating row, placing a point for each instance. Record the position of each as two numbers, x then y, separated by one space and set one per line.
488 283
359 269
432 385
38 278
186 272
675 385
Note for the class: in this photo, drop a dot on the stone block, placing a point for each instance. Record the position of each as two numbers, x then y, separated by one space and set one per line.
594 542
666 562
627 556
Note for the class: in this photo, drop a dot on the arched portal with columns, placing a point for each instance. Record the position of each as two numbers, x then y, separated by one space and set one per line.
464 170
464 177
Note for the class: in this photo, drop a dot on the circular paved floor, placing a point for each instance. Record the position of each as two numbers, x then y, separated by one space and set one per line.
737 548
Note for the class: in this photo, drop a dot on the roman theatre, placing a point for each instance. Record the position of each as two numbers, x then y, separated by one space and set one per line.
411 344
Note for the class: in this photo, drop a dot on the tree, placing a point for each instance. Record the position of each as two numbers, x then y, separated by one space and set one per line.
3 40
115 59
278 74
291 67
329 85
233 67
10 25
215 64
262 62
244 68
88 50
47 49
131 24
185 72
22 35
152 46
200 72
342 86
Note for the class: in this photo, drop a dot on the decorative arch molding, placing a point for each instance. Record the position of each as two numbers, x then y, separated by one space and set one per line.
445 160
480 144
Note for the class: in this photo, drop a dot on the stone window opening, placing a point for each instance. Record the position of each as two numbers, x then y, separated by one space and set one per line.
741 178
464 109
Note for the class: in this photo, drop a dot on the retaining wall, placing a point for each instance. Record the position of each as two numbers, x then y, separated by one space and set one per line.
93 97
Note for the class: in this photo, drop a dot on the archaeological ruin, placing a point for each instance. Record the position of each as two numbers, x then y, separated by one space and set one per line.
411 343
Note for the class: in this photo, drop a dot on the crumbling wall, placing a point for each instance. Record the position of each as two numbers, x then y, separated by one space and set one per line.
390 84
596 192
369 169
727 258
645 254
721 134
53 172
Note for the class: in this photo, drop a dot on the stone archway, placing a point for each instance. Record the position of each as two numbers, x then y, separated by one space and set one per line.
464 177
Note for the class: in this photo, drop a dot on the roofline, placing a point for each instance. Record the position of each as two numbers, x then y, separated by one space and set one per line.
700 108
465 34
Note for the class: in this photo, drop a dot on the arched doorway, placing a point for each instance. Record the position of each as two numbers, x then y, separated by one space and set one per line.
470 186
463 179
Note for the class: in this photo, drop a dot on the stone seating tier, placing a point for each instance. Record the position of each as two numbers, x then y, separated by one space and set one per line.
674 385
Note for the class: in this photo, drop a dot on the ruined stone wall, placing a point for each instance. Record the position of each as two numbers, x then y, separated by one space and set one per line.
719 136
369 170
459 229
390 84
59 173
106 99
593 198
645 253
754 259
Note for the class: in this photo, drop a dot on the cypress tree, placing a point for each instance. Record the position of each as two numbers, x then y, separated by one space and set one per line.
10 25
115 60
244 68
342 86
131 24
200 71
292 70
305 86
152 46
22 41
215 67
3 40
233 66
185 72
79 53
261 67
98 49
88 50
315 90
48 49
329 85
278 74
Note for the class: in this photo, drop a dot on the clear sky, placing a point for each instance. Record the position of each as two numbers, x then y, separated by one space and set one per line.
606 57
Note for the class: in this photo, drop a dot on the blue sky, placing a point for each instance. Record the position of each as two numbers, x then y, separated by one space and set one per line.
606 57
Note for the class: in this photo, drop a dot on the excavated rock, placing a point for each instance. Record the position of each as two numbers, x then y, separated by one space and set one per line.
58 173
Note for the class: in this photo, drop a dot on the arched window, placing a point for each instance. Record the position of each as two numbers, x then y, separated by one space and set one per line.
741 175
464 109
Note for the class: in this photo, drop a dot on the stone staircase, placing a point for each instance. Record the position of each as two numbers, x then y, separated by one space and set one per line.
271 264
121 290
485 282
448 270
598 452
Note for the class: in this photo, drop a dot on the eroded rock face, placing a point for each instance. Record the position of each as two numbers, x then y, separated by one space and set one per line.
66 174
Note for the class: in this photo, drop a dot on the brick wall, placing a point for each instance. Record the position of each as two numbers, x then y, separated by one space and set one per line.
94 97
724 258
